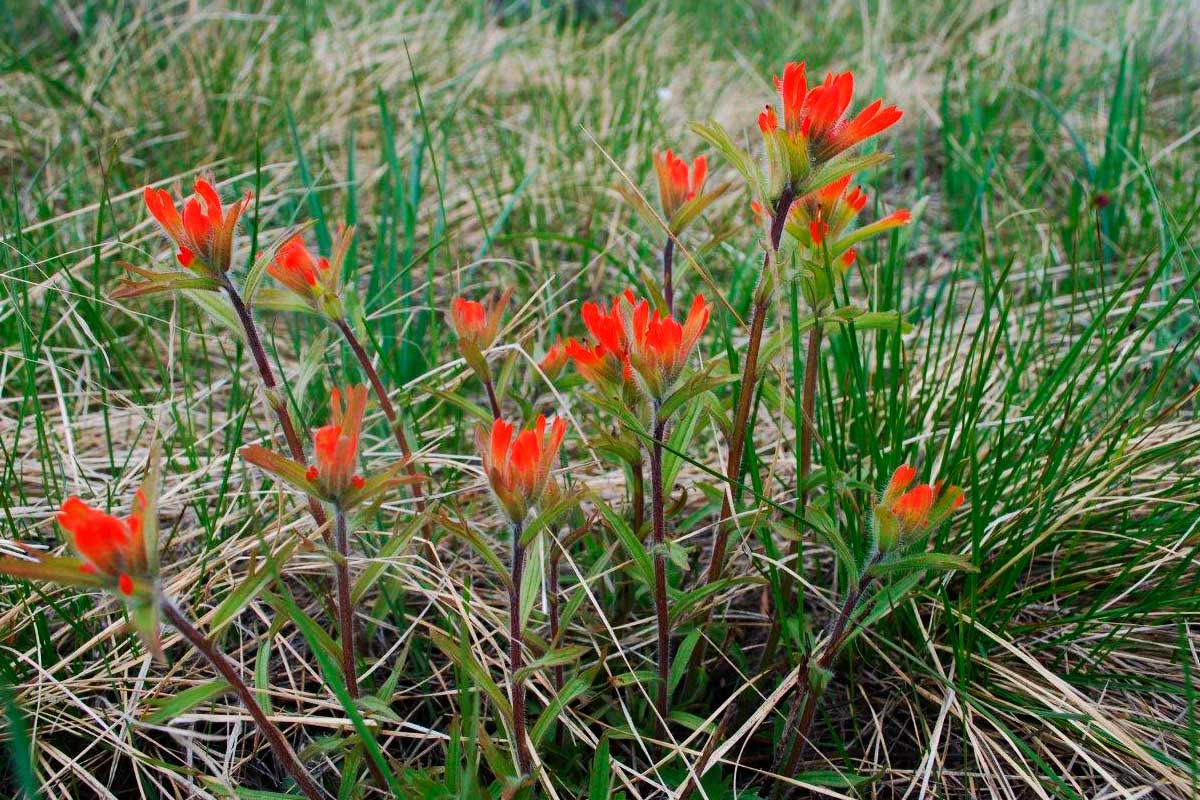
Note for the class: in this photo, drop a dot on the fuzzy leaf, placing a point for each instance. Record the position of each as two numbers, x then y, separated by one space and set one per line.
283 468
65 570
693 208
938 562
712 132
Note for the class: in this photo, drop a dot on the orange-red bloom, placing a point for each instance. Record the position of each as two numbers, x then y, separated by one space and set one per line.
903 512
674 186
333 478
477 323
336 444
818 115
660 346
608 360
204 232
111 547
518 468
555 359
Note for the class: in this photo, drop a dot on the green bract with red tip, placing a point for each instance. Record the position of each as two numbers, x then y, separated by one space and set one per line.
333 478
904 513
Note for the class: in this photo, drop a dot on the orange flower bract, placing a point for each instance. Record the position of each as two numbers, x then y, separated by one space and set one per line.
675 187
903 512
518 467
204 231
660 346
109 546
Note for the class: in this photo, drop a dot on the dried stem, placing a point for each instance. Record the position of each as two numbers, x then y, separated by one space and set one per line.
515 641
345 610
660 566
227 670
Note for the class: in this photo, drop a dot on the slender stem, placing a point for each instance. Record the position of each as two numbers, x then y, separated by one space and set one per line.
277 403
227 670
491 393
385 403
345 609
515 641
807 435
668 258
739 436
808 695
559 672
660 566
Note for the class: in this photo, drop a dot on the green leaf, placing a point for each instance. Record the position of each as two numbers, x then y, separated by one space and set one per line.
712 132
939 562
216 307
842 165
186 700
248 589
573 689
65 570
553 658
600 780
462 658
333 679
682 656
643 563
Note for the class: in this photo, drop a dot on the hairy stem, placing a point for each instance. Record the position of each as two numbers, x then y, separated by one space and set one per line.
739 436
639 498
808 696
515 641
658 512
278 404
227 670
385 403
345 610
668 259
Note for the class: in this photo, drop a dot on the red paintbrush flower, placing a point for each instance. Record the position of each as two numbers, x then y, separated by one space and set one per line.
109 546
660 346
607 327
333 478
674 186
204 232
555 359
315 281
904 512
518 468
596 364
477 323
120 555
817 115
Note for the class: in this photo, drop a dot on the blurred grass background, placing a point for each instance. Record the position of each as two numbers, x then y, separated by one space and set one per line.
1049 150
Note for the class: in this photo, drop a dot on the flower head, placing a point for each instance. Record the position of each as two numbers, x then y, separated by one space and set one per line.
204 232
113 553
555 359
476 325
333 477
518 467
903 512
315 281
660 346
598 366
818 115
682 194
819 228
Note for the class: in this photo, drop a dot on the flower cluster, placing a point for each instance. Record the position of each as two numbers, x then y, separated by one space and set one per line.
518 468
904 513
333 478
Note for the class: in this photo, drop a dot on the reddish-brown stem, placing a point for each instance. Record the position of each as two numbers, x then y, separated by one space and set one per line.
809 695
491 393
345 610
385 403
277 403
227 670
515 641
668 262
658 513
808 429
739 435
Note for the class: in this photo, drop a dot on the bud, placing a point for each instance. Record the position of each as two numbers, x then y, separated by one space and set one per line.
903 513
